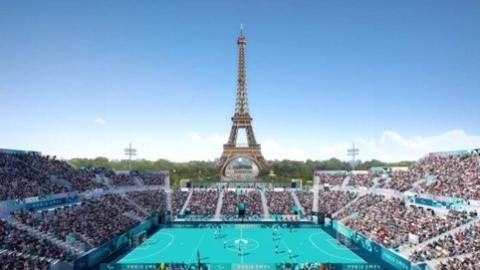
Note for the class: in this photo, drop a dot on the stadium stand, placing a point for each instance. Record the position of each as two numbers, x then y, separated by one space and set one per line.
279 202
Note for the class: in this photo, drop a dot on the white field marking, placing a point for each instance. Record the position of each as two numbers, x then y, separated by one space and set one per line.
198 245
172 239
288 248
334 243
327 253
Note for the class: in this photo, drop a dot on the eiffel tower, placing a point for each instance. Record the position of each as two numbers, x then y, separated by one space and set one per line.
241 120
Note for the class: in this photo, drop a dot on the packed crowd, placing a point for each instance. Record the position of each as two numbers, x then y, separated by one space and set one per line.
403 180
279 202
471 262
18 180
150 178
203 202
456 176
251 199
150 200
306 201
13 239
361 203
95 220
332 201
334 179
391 221
15 260
460 243
178 199
361 179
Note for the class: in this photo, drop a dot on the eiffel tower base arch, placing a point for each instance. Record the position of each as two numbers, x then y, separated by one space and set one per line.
231 153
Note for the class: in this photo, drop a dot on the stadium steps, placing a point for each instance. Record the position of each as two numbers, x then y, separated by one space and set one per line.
41 235
187 201
266 214
218 209
407 250
315 200
136 205
138 181
345 206
416 184
297 201
345 181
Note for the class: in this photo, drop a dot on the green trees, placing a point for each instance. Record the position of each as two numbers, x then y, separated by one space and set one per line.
279 170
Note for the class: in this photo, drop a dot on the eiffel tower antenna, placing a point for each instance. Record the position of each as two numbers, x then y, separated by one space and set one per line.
241 120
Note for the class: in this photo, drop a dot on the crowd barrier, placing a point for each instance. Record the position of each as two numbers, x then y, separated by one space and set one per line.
95 256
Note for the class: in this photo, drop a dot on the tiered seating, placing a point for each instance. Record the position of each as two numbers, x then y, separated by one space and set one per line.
332 201
150 178
361 180
98 219
390 222
19 180
15 260
334 179
306 200
252 200
458 176
363 202
13 239
203 202
151 200
470 262
463 242
279 202
178 200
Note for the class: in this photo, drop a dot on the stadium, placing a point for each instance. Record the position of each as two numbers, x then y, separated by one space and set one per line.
60 214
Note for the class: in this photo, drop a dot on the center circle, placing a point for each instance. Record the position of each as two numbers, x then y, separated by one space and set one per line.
241 242
246 244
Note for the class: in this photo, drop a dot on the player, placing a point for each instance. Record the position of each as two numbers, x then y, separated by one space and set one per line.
290 253
276 249
225 244
239 251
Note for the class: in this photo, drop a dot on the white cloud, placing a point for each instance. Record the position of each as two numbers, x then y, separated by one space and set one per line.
272 149
100 121
212 139
391 146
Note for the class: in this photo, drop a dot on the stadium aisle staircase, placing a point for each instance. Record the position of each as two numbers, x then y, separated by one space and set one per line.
138 181
218 210
345 181
347 205
41 235
297 201
186 202
133 203
315 200
266 214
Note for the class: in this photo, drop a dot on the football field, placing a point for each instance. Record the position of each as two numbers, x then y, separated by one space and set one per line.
240 244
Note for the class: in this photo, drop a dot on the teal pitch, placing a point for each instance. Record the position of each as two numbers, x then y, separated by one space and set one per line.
248 244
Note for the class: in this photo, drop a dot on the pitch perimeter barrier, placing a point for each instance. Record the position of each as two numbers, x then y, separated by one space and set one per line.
388 256
237 266
96 255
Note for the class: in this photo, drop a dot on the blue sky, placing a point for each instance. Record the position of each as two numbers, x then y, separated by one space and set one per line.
84 78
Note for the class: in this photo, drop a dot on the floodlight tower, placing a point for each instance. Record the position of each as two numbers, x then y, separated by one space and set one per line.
130 152
353 152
